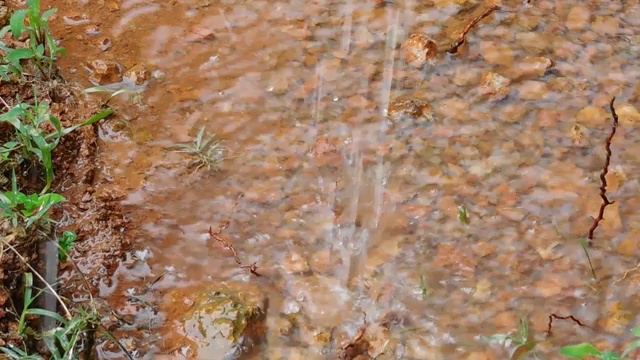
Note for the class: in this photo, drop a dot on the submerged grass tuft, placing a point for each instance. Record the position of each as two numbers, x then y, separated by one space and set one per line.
209 153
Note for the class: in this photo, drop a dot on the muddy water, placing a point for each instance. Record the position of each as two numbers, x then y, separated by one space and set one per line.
345 214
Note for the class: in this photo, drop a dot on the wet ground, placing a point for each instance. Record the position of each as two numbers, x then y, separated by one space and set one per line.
347 211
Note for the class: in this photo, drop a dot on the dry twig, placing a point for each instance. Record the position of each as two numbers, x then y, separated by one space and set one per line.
454 47
253 268
603 175
626 273
554 316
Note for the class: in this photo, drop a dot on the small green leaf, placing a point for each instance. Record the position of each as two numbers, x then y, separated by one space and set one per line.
96 89
17 23
4 32
47 14
39 50
463 215
609 355
580 351
199 138
19 54
636 331
66 242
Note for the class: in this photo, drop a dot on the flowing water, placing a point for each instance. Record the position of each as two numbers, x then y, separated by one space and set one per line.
345 214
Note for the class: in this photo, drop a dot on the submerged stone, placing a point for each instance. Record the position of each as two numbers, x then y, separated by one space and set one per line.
217 322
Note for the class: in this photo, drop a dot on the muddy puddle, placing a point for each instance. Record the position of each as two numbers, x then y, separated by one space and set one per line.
350 168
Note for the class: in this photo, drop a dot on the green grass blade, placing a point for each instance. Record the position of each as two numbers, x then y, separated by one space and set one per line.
631 347
580 351
199 138
47 14
47 313
94 119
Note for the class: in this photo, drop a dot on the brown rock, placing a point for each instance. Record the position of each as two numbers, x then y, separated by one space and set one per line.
294 263
530 68
533 90
420 50
496 54
578 18
605 25
199 34
104 72
533 41
494 86
363 38
592 116
113 6
450 256
137 74
629 246
551 285
411 107
104 44
628 114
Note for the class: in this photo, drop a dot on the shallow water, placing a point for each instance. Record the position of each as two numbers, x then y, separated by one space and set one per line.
299 92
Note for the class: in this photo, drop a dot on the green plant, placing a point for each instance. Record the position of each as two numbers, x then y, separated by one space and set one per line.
208 153
424 290
66 243
584 245
112 93
463 214
30 209
62 341
520 344
584 350
42 48
33 140
73 335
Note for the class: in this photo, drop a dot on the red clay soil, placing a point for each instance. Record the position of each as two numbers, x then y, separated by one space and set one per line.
95 215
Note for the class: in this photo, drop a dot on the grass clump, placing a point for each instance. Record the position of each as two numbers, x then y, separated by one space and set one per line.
42 47
519 342
71 338
207 153
30 132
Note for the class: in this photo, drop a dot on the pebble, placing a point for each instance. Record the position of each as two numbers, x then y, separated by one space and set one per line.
137 74
92 30
496 54
578 18
605 25
529 68
483 290
363 38
628 114
494 86
104 72
409 108
294 263
592 116
533 90
104 44
419 50
533 42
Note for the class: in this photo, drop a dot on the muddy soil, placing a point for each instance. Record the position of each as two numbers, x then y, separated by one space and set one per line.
94 215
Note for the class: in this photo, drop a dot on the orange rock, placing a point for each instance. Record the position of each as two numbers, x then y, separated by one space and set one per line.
419 50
